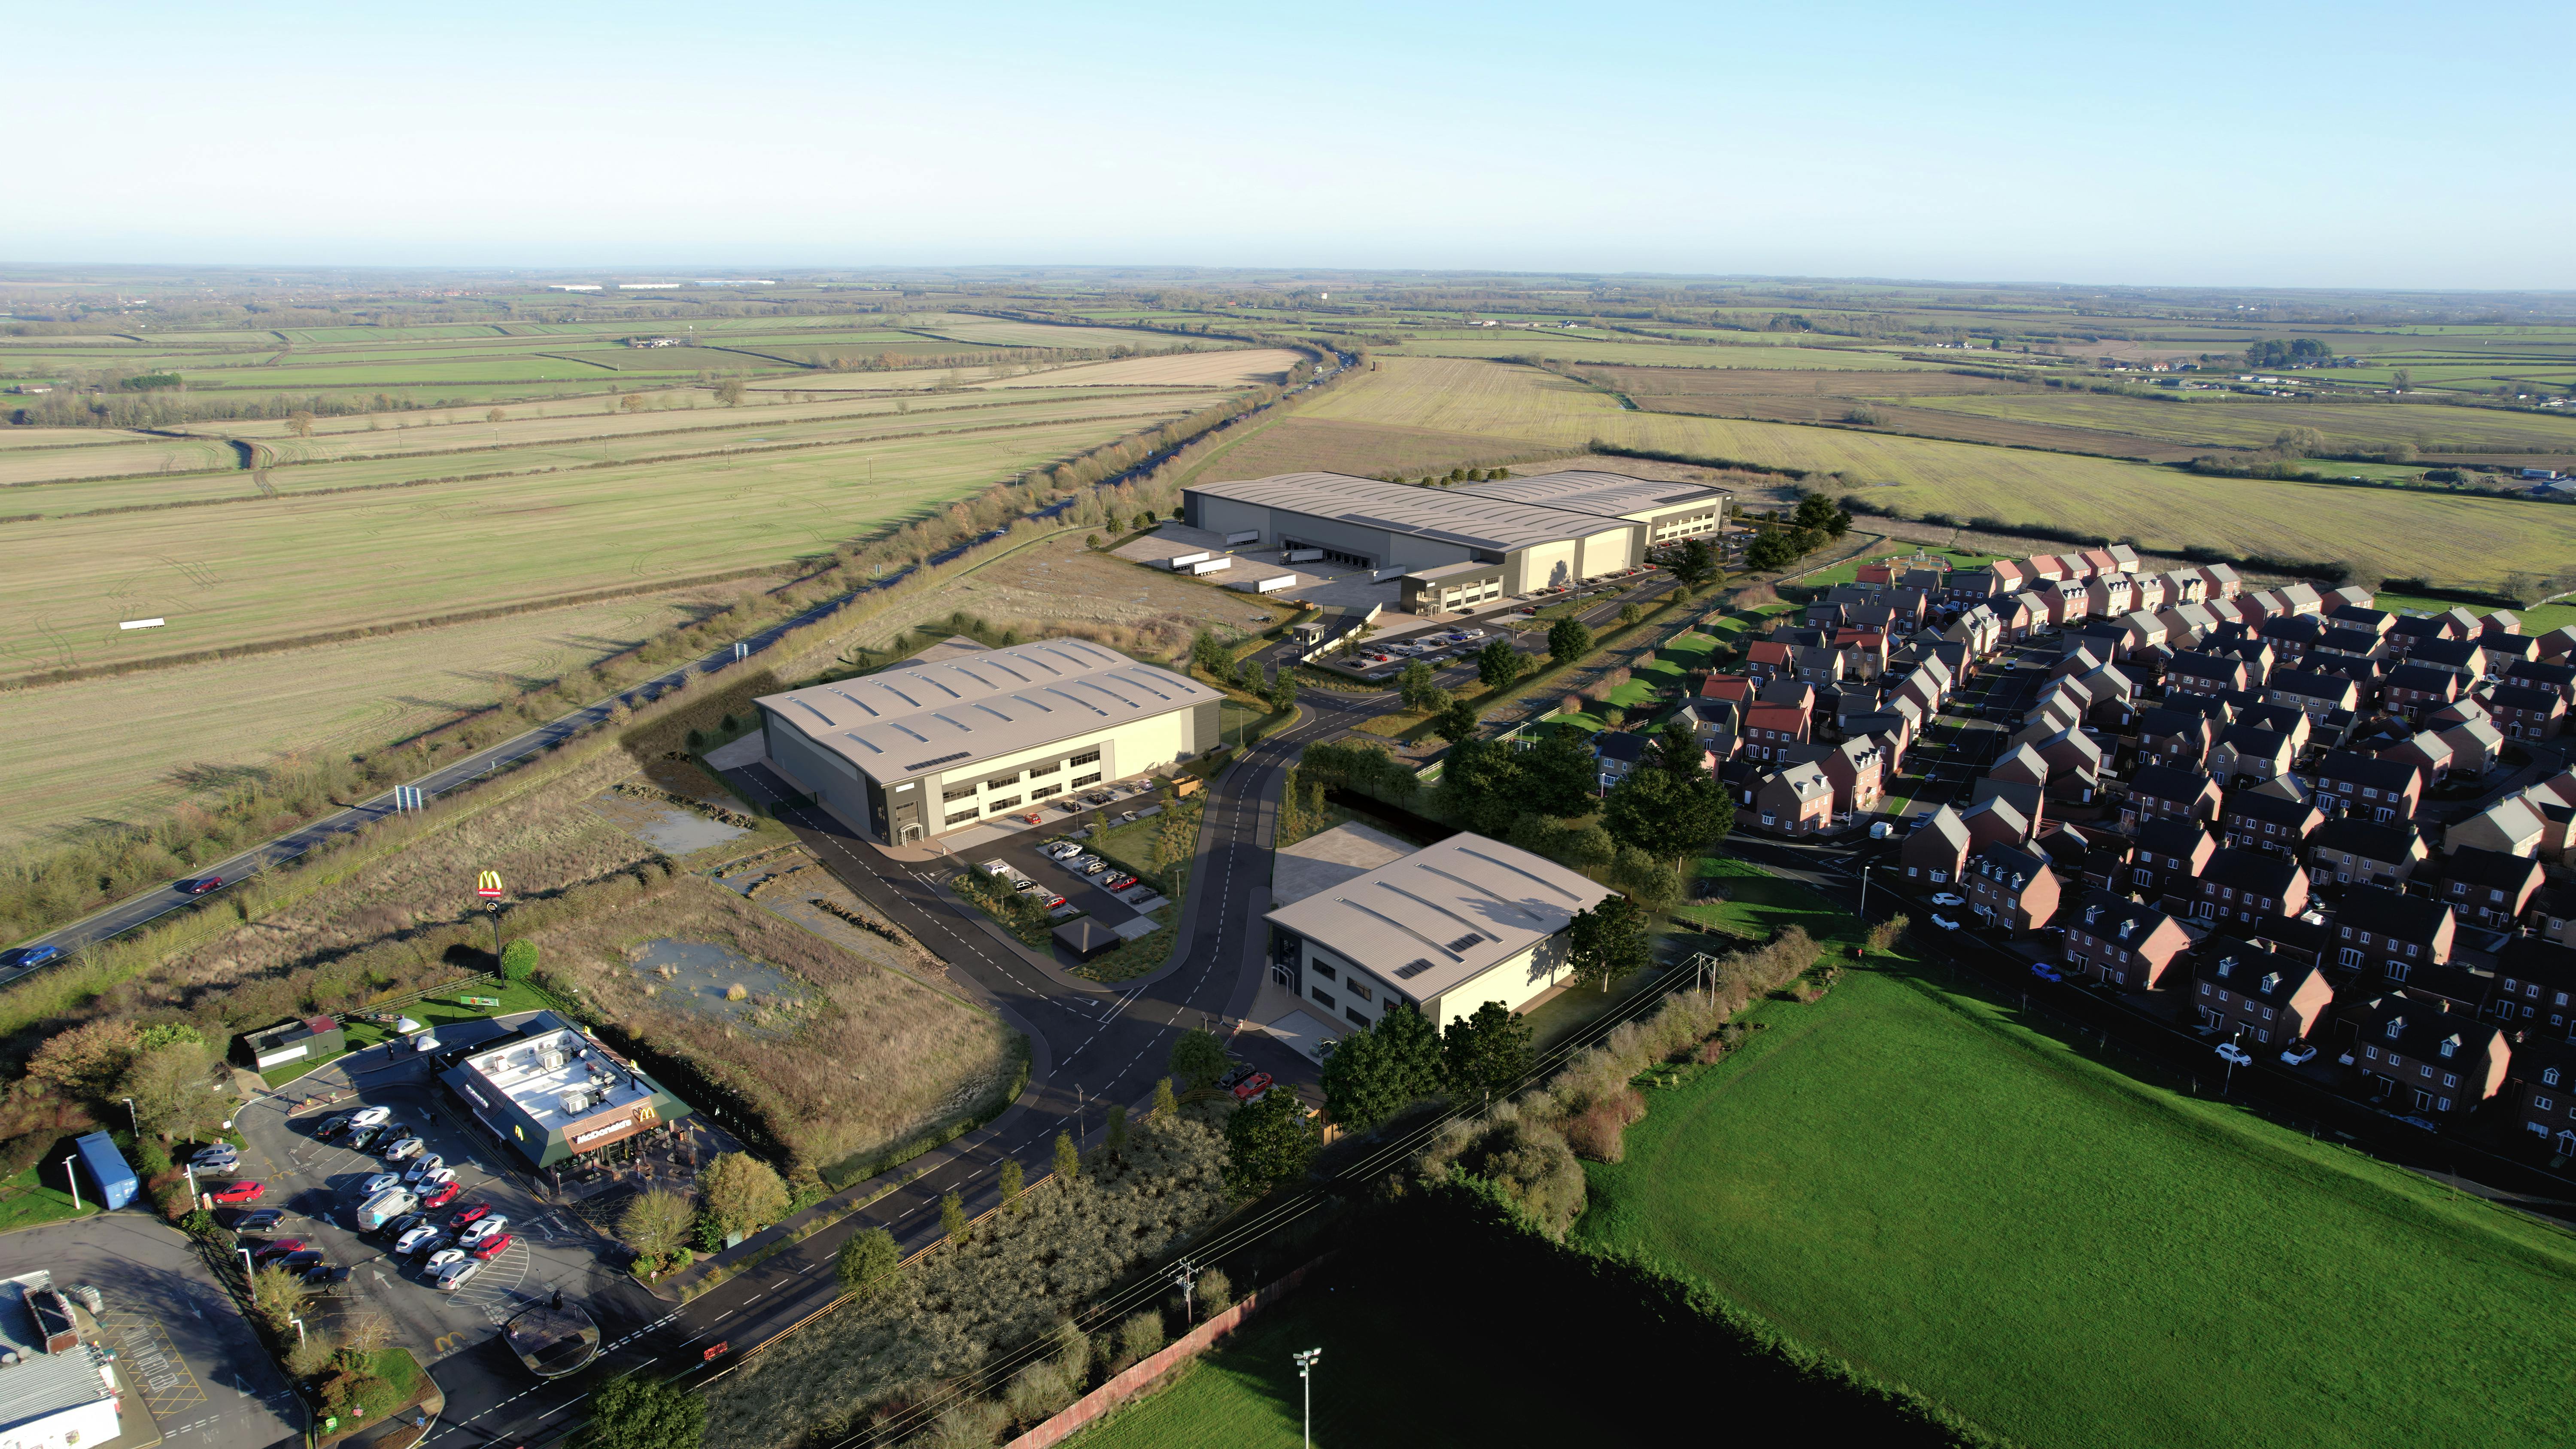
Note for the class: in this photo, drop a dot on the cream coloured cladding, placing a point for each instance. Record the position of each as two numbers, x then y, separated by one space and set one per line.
1128 749
1353 997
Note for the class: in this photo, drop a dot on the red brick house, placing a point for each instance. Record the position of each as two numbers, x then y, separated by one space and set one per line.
2121 943
1937 851
1794 800
2011 887
2163 792
2176 737
1857 769
1768 659
2415 690
2371 787
2488 887
1770 729
2424 1060
2196 673
2546 1105
2535 990
2526 711
2384 932
1737 688
2257 995
2170 854
2345 851
2263 820
2252 752
2250 887
1996 821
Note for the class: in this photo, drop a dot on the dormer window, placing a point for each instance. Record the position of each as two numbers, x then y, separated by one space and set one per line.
2451 1048
2396 1026
2549 1076
2271 983
2226 964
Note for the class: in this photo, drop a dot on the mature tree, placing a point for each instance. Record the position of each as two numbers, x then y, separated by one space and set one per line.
494 416
1211 655
519 960
300 423
867 1262
1116 1137
279 1295
743 1193
1697 565
1413 681
1607 942
1651 883
645 1411
1559 775
656 1224
168 1085
1268 1143
88 1060
1068 1160
1165 1103
1588 847
1283 690
1457 722
1631 612
1480 785
1678 752
1374 1074
1666 815
1772 549
1485 1054
1198 1058
953 1222
730 392
1498 664
1568 640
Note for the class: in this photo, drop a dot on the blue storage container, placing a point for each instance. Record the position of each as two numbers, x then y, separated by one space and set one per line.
107 1169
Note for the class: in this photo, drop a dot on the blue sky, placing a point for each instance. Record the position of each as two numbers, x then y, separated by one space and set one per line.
2281 145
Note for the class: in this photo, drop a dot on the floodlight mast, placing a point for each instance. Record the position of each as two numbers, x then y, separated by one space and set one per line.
1305 1376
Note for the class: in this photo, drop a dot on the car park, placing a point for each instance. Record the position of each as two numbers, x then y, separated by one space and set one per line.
492 1247
1121 881
2301 1054
1945 898
251 1220
1052 899
404 1224
243 1191
324 1273
414 1240
1091 865
457 1274
438 1187
371 1116
2233 1054
28 958
995 867
223 1158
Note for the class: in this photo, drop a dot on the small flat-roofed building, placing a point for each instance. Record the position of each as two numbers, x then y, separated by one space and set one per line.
59 1389
1450 588
310 1039
554 1093
918 750
1444 930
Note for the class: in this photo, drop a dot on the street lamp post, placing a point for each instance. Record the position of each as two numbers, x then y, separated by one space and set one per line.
1305 1377
299 1331
249 1269
71 1174
133 1117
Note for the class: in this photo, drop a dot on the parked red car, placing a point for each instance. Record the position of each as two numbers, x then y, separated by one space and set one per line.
441 1195
278 1248
493 1246
1251 1087
470 1214
240 1192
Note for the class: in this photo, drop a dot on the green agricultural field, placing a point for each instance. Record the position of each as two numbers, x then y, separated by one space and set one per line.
285 567
2253 423
1575 347
1381 1347
1918 1182
2446 538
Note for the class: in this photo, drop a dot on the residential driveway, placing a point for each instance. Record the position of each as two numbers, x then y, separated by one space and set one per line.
317 1183
179 1340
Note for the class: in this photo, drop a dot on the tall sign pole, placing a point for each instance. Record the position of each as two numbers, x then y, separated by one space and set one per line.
488 887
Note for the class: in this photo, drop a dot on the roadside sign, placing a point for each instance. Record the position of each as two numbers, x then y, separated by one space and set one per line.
488 885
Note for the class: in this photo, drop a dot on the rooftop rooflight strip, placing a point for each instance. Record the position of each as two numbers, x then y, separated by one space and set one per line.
1487 891
1431 905
1401 926
1538 880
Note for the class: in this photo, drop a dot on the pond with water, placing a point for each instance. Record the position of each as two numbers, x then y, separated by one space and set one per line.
710 981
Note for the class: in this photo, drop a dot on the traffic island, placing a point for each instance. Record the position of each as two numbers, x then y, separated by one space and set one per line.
379 1400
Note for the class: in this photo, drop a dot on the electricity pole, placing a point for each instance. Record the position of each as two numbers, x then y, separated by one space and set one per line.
1182 1274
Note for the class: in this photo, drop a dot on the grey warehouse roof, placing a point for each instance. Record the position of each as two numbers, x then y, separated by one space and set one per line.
1449 515
41 1384
903 721
1443 915
1583 490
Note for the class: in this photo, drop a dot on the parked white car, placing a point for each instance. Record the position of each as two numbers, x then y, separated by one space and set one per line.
481 1230
456 1275
381 1182
443 1257
370 1116
2233 1054
422 1167
996 867
2300 1055
412 1242
1946 898
409 1147
1944 922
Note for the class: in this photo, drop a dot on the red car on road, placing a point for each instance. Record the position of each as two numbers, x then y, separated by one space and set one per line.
470 1214
240 1192
441 1195
492 1247
199 885
278 1248
1251 1087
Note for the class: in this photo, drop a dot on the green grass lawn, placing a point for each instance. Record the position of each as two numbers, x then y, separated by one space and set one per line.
37 1195
439 1009
2534 621
1759 903
1382 1347
1915 1181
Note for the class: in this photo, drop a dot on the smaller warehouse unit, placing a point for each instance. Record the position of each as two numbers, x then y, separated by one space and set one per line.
58 1388
554 1093
1443 929
918 750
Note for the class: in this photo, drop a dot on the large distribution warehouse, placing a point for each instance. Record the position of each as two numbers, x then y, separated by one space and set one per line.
926 748
1542 531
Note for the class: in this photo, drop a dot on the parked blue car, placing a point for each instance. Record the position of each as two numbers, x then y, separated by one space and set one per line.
2045 972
